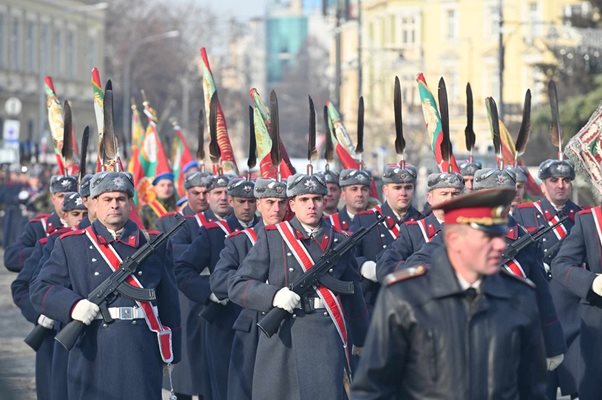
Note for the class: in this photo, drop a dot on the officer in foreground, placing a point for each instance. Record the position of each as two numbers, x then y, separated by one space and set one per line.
462 329
124 358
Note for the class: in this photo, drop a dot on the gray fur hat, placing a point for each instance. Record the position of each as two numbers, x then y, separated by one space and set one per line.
84 185
267 187
109 181
393 173
300 184
197 178
329 176
519 172
489 178
351 176
241 187
450 180
218 181
73 201
469 168
559 168
61 184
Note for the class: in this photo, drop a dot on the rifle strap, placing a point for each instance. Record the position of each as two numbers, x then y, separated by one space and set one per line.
389 223
560 231
112 258
330 300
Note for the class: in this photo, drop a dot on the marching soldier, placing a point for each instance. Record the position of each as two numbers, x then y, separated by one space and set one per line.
355 192
271 204
84 192
442 186
307 358
124 357
398 191
557 184
583 245
50 384
479 337
41 226
467 170
521 179
333 196
192 272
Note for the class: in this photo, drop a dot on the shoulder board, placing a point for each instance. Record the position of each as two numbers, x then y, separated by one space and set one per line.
524 281
188 216
154 232
235 233
44 240
60 231
169 214
585 211
211 225
412 222
366 212
340 231
525 205
38 217
76 232
404 274
270 227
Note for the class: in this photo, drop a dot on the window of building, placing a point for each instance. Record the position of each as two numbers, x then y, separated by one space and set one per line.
45 47
57 48
2 36
30 46
534 19
451 24
15 44
408 31
92 48
70 56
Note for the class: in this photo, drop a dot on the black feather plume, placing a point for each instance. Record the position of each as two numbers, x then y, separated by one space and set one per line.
83 153
67 151
400 143
274 130
214 151
444 112
359 148
494 124
469 130
525 126
252 160
311 141
200 148
556 129
328 144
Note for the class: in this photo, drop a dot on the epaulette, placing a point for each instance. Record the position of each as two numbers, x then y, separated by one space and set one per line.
60 231
154 232
270 227
412 222
525 281
76 232
404 274
235 233
366 212
524 205
585 211
39 216
44 240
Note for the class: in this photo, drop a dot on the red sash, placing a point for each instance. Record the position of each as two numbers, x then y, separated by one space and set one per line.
224 227
389 223
560 231
44 222
109 254
514 267
252 235
428 232
335 220
201 219
330 300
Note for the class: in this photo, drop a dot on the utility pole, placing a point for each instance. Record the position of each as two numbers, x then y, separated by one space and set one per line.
337 54
501 57
359 48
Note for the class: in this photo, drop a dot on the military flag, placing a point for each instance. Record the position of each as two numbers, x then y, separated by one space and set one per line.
262 122
228 163
98 93
55 122
180 158
434 127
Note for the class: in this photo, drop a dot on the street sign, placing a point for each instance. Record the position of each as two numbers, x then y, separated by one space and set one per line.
13 106
10 132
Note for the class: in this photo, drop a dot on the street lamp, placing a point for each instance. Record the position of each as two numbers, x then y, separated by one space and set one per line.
128 71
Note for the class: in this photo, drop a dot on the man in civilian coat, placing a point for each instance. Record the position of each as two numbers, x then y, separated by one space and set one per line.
307 357
124 358
557 185
17 252
460 328
398 191
272 206
442 186
193 269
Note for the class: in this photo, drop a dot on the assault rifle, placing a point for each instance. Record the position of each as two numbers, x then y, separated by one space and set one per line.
318 274
115 283
515 247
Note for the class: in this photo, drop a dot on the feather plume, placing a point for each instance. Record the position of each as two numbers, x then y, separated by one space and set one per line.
469 130
400 143
108 145
200 148
252 160
494 125
311 142
444 112
214 151
556 129
83 153
328 144
359 148
274 130
67 150
525 126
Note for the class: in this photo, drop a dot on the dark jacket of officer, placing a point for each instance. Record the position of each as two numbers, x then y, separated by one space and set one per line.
121 357
305 359
583 245
411 238
429 341
17 252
